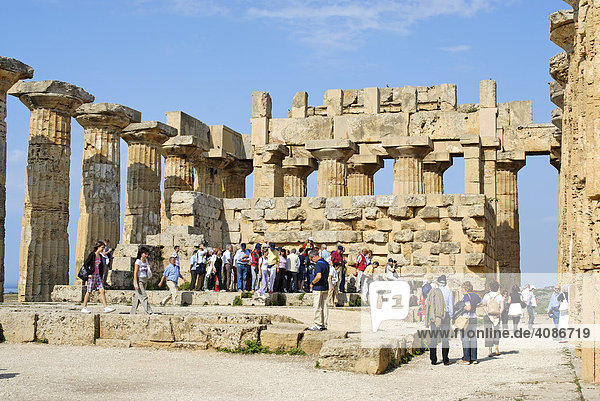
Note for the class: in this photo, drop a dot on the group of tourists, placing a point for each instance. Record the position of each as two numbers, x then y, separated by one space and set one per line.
440 313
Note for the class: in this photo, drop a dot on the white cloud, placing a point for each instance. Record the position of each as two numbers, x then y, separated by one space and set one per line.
456 49
342 23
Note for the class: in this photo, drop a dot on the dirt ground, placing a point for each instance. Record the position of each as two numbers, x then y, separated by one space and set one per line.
48 372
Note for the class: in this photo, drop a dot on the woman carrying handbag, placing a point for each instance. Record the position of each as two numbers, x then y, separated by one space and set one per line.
468 321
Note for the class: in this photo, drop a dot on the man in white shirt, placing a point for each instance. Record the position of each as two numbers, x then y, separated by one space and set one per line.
292 270
227 265
241 261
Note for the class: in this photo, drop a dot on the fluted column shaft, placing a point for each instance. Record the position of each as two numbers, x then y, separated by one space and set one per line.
433 177
294 180
408 153
44 252
100 198
234 178
333 155
268 171
179 176
507 215
360 179
142 199
11 71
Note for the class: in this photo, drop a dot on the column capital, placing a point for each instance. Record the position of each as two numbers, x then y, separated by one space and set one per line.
332 149
272 153
182 146
151 132
437 161
240 167
56 95
11 71
511 161
306 162
91 115
407 146
365 163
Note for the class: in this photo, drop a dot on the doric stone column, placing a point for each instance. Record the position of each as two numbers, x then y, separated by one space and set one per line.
268 171
490 147
408 152
434 167
361 169
471 145
44 253
100 198
295 172
333 155
179 152
11 71
234 178
142 199
507 215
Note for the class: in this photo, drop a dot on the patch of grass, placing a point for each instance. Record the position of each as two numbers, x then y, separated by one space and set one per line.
279 351
237 301
471 110
41 340
205 303
296 351
252 347
184 287
277 299
301 296
317 365
355 302
246 295
392 364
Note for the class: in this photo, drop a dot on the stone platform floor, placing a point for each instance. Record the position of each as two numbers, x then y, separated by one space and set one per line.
47 372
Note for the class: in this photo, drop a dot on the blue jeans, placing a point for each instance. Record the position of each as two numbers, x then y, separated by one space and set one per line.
469 341
242 276
531 314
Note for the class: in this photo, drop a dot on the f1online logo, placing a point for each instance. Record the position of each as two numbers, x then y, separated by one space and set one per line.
389 300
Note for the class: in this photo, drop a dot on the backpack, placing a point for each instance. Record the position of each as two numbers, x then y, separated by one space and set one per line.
493 307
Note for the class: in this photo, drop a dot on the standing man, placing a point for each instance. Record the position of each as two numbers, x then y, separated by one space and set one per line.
272 263
293 265
242 263
194 269
227 264
554 306
201 270
176 255
320 286
172 275
338 263
531 307
325 254
361 265
449 311
255 254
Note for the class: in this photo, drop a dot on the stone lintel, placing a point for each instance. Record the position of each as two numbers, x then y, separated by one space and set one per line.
11 71
470 140
366 159
188 125
300 162
490 142
106 114
438 157
148 131
50 94
513 160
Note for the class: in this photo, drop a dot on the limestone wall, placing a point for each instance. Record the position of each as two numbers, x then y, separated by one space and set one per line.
426 233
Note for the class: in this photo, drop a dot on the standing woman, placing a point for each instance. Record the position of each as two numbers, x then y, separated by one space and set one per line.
95 264
493 306
218 263
469 334
263 263
141 274
515 309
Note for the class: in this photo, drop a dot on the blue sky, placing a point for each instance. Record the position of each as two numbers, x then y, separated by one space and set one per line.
205 57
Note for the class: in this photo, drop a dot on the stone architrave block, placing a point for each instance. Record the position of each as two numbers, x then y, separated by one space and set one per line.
475 259
416 200
363 201
427 236
281 339
293 201
296 214
429 212
403 236
400 212
385 200
375 236
237 204
18 327
68 328
265 203
343 213
317 203
276 214
312 341
253 214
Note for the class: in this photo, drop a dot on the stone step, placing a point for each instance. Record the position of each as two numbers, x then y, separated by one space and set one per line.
112 343
313 341
190 345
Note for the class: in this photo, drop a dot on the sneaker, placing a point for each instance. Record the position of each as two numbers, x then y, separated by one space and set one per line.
85 310
323 328
475 362
109 309
155 314
314 328
463 362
